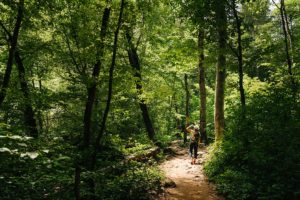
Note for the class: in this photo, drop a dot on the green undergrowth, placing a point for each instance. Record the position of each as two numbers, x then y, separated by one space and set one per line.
164 140
33 169
30 169
133 180
259 156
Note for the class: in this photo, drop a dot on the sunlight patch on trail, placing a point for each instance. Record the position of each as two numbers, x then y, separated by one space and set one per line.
191 183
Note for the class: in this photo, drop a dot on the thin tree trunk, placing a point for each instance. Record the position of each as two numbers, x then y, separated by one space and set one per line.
91 90
134 62
92 87
187 107
170 122
178 125
285 32
177 120
91 161
13 47
29 118
289 30
202 86
29 113
40 121
40 84
240 57
220 70
110 84
39 112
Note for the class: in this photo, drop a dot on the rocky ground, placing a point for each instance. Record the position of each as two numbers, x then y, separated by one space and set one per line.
184 180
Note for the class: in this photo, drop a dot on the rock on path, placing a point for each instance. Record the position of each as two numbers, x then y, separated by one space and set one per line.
191 183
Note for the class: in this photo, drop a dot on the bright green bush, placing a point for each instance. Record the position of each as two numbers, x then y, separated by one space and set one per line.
31 169
259 156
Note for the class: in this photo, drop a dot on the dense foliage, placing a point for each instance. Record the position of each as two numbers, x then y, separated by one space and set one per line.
259 155
85 85
32 170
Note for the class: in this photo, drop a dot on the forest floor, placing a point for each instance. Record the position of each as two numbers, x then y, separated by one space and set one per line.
191 183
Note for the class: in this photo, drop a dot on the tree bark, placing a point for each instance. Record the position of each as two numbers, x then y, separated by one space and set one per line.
134 62
92 87
221 23
202 86
29 117
240 57
177 120
39 111
289 30
13 47
284 28
288 44
187 107
110 83
90 162
30 121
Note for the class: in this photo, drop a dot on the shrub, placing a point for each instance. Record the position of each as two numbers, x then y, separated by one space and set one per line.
259 155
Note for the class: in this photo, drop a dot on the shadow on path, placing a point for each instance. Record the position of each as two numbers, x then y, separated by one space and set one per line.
191 183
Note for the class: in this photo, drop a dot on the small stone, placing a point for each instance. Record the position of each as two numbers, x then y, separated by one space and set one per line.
168 183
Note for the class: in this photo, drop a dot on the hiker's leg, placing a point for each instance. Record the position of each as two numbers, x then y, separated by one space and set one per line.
191 152
195 152
191 149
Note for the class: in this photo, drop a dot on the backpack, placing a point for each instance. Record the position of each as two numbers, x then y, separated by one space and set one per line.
195 136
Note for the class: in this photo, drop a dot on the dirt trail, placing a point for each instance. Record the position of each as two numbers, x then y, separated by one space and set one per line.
191 183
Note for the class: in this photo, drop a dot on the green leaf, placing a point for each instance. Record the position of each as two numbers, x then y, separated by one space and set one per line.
4 149
32 155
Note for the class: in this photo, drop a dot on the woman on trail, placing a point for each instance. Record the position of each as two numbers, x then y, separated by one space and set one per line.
194 138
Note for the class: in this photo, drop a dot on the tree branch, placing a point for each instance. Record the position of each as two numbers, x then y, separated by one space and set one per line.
6 31
233 49
138 41
72 54
275 4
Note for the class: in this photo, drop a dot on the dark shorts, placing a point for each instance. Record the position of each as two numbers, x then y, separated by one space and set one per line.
194 149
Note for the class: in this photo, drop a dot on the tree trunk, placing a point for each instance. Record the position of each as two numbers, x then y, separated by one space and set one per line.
29 118
284 28
89 162
240 57
134 62
92 87
187 105
287 41
170 122
14 42
39 112
221 23
202 86
177 120
110 84
289 30
28 113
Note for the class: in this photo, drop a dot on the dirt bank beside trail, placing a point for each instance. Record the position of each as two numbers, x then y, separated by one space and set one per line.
191 183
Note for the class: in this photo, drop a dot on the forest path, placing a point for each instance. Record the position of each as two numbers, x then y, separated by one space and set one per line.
191 183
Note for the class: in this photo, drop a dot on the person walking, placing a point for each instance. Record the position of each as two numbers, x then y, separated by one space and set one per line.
194 139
